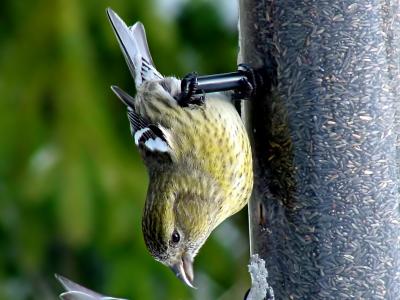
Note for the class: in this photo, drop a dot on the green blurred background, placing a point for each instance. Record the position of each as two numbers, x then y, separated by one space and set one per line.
72 185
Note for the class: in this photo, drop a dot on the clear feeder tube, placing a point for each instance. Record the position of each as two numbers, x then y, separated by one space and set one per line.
325 208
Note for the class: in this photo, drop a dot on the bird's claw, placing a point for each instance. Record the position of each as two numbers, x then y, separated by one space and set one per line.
189 86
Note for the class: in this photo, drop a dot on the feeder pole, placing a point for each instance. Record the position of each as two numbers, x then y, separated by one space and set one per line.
324 214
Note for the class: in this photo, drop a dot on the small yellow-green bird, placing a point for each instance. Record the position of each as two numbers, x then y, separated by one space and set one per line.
198 157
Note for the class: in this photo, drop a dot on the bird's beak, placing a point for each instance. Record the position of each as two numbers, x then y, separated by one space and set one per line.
183 269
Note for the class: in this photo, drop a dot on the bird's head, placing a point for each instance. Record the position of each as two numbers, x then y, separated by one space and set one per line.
177 222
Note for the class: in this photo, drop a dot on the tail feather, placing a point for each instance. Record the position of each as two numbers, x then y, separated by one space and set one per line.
139 35
135 49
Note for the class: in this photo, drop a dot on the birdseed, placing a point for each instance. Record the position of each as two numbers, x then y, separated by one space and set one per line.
326 147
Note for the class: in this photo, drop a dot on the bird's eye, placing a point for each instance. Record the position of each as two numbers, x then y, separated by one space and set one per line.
175 238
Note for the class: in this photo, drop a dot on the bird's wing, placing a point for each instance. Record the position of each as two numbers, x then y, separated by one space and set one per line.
83 296
75 291
77 296
133 43
148 136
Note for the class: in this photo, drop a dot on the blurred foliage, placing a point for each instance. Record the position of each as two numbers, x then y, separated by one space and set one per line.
72 185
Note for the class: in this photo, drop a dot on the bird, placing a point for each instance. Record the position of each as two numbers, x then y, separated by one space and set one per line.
196 150
75 291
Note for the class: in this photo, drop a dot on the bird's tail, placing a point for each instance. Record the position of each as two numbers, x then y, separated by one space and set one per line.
133 43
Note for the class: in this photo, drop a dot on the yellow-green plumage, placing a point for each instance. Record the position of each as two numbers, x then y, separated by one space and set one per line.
198 156
210 176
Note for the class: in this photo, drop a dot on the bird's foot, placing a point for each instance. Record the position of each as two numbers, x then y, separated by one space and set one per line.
189 89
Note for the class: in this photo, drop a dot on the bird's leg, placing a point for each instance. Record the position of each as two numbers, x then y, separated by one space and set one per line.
189 91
